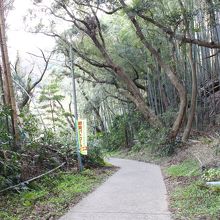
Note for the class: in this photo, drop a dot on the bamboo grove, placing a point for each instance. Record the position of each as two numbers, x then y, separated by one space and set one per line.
166 49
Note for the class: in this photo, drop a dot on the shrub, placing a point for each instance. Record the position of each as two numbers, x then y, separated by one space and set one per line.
30 126
168 117
119 135
5 137
95 153
151 138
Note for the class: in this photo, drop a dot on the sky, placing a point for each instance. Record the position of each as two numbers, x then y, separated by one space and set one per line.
20 40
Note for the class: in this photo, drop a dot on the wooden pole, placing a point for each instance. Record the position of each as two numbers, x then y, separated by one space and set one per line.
7 78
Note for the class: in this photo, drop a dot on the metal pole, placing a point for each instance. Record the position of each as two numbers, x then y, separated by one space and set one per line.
80 165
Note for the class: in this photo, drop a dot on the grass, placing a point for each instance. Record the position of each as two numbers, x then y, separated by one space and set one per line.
194 201
191 199
50 197
186 168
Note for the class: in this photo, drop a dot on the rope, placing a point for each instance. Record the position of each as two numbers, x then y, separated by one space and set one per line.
34 178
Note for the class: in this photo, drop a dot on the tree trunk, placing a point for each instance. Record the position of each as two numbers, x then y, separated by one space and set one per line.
170 73
7 79
193 98
135 95
3 101
96 36
194 79
2 98
95 109
67 117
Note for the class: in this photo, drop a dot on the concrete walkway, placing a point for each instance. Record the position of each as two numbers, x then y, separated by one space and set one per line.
135 192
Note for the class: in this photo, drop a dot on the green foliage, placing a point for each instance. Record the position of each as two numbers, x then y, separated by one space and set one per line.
151 138
50 196
5 137
117 137
211 175
143 6
193 201
206 140
174 16
49 99
10 168
168 147
130 132
5 215
168 117
186 168
29 198
95 157
49 137
155 140
50 92
30 126
37 155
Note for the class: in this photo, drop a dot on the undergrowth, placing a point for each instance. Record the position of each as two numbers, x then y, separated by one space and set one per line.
51 196
194 201
186 168
192 198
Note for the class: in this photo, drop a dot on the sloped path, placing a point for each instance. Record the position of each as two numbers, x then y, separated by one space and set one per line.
135 192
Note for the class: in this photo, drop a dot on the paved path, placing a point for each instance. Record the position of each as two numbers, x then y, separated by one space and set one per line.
135 192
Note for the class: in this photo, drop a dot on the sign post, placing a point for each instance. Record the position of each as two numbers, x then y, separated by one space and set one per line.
80 165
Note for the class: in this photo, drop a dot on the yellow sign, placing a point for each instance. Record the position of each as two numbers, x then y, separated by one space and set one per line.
82 125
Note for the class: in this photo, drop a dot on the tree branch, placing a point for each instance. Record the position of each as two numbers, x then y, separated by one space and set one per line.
180 37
